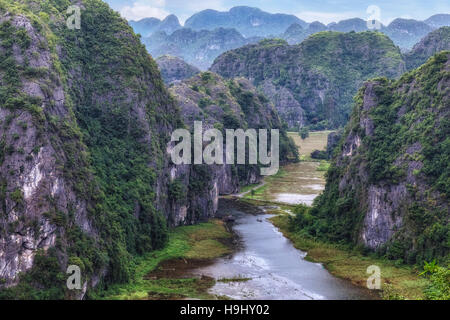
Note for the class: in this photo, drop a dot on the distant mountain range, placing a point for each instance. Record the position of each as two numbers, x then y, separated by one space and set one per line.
404 32
198 48
250 22
209 33
148 26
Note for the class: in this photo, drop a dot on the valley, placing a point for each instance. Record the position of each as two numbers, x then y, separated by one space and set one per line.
99 120
258 256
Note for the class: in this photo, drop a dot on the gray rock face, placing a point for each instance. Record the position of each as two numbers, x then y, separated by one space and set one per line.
388 212
30 172
174 69
218 104
287 106
434 42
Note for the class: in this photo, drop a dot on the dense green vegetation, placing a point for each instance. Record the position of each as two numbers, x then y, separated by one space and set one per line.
231 104
188 244
409 144
107 156
323 73
116 141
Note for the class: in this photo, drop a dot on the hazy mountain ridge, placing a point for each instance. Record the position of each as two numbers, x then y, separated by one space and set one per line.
228 104
148 26
194 43
198 48
434 42
250 22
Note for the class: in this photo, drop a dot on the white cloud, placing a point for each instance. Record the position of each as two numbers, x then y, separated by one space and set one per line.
325 17
144 9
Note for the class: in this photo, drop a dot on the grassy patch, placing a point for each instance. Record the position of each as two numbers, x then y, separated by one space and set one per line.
248 188
189 243
324 166
236 279
397 281
316 140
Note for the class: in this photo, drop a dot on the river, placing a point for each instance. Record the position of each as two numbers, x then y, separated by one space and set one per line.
270 265
266 265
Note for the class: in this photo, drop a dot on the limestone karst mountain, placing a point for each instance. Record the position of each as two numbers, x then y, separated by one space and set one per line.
388 184
313 83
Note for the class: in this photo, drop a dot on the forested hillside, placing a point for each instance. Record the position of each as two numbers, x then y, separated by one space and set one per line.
313 83
85 128
388 185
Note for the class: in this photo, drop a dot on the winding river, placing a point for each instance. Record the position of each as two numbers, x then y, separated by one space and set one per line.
271 267
266 265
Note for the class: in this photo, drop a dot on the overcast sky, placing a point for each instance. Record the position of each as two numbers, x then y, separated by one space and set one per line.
325 11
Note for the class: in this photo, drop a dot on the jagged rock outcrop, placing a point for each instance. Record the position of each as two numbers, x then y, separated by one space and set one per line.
388 184
318 78
434 42
175 69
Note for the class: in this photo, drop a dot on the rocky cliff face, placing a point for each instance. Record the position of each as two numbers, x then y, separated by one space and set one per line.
35 187
434 42
314 82
174 69
85 121
388 184
438 20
